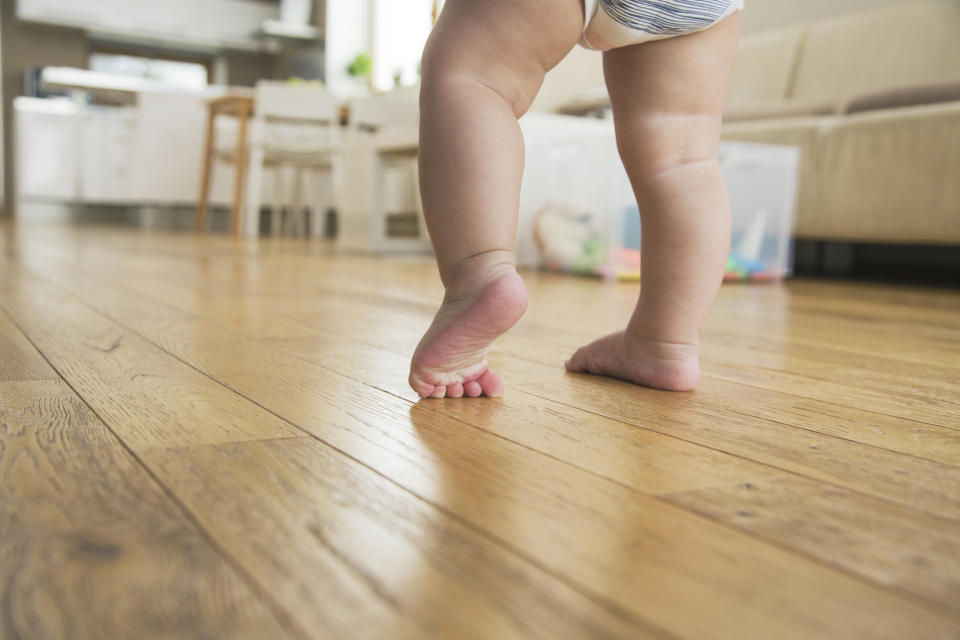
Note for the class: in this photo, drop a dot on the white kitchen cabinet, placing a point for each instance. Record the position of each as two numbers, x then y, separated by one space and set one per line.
47 139
107 152
71 153
148 155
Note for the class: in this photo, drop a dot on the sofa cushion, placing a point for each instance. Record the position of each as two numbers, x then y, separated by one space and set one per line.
890 176
780 109
894 45
764 67
932 92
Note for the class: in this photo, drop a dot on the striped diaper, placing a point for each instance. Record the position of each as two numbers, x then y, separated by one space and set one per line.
617 23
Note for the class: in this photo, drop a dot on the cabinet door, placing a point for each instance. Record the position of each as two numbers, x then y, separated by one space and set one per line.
47 156
118 173
93 159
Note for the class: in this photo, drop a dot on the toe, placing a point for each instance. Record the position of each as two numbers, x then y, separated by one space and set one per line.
491 383
577 360
439 391
472 389
455 390
423 389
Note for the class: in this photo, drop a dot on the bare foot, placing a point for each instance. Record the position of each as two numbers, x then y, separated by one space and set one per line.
451 359
652 363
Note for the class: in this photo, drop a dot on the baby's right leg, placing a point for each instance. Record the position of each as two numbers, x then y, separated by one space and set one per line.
482 67
667 99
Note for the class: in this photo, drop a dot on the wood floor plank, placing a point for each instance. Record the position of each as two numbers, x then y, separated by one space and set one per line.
602 446
670 554
91 546
711 424
509 492
116 371
18 359
849 379
881 472
329 596
910 551
872 428
917 439
868 427
406 552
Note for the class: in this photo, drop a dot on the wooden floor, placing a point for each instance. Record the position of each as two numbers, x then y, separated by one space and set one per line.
209 438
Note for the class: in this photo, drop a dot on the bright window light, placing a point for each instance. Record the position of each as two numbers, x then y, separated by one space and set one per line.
400 30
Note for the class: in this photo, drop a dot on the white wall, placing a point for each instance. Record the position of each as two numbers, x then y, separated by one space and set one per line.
348 32
400 29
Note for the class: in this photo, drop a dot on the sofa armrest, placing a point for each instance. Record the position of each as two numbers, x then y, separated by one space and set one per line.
781 109
928 92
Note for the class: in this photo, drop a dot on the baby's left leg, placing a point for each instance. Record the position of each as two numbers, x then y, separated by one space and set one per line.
481 68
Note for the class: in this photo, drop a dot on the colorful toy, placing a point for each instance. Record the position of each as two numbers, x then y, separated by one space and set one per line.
575 242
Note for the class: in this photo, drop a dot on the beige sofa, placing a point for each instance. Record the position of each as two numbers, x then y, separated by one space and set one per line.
873 100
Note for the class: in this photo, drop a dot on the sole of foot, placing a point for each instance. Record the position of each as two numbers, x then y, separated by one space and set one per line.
651 363
451 359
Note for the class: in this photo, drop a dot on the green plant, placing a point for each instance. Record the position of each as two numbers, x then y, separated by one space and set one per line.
361 66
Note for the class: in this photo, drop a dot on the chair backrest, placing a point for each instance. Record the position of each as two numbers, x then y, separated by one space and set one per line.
281 101
907 42
399 107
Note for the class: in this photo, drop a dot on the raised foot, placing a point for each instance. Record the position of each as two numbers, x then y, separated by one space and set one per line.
652 363
451 359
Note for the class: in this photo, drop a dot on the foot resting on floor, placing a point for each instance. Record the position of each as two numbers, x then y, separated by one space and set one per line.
652 363
451 359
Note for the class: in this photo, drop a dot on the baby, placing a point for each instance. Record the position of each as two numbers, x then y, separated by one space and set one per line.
666 64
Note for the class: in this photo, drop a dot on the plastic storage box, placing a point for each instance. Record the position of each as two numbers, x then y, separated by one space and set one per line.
578 213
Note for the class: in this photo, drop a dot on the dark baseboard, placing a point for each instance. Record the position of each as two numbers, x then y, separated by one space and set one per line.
937 265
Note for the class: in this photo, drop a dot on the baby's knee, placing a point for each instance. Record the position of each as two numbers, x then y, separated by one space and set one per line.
656 144
443 71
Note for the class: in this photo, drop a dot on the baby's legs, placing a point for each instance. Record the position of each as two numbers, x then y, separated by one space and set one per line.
481 69
667 98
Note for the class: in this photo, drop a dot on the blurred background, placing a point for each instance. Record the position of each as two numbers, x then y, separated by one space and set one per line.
298 117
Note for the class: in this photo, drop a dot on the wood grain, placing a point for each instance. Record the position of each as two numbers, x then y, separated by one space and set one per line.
322 585
336 526
912 552
825 451
573 506
592 443
149 398
670 557
90 545
20 360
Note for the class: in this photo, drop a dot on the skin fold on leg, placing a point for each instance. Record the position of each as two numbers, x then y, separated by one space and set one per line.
481 69
667 98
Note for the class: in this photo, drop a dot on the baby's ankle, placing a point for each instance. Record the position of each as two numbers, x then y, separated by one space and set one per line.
663 345
477 271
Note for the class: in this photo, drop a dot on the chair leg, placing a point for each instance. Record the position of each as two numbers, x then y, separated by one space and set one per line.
317 208
288 199
298 201
251 218
276 211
